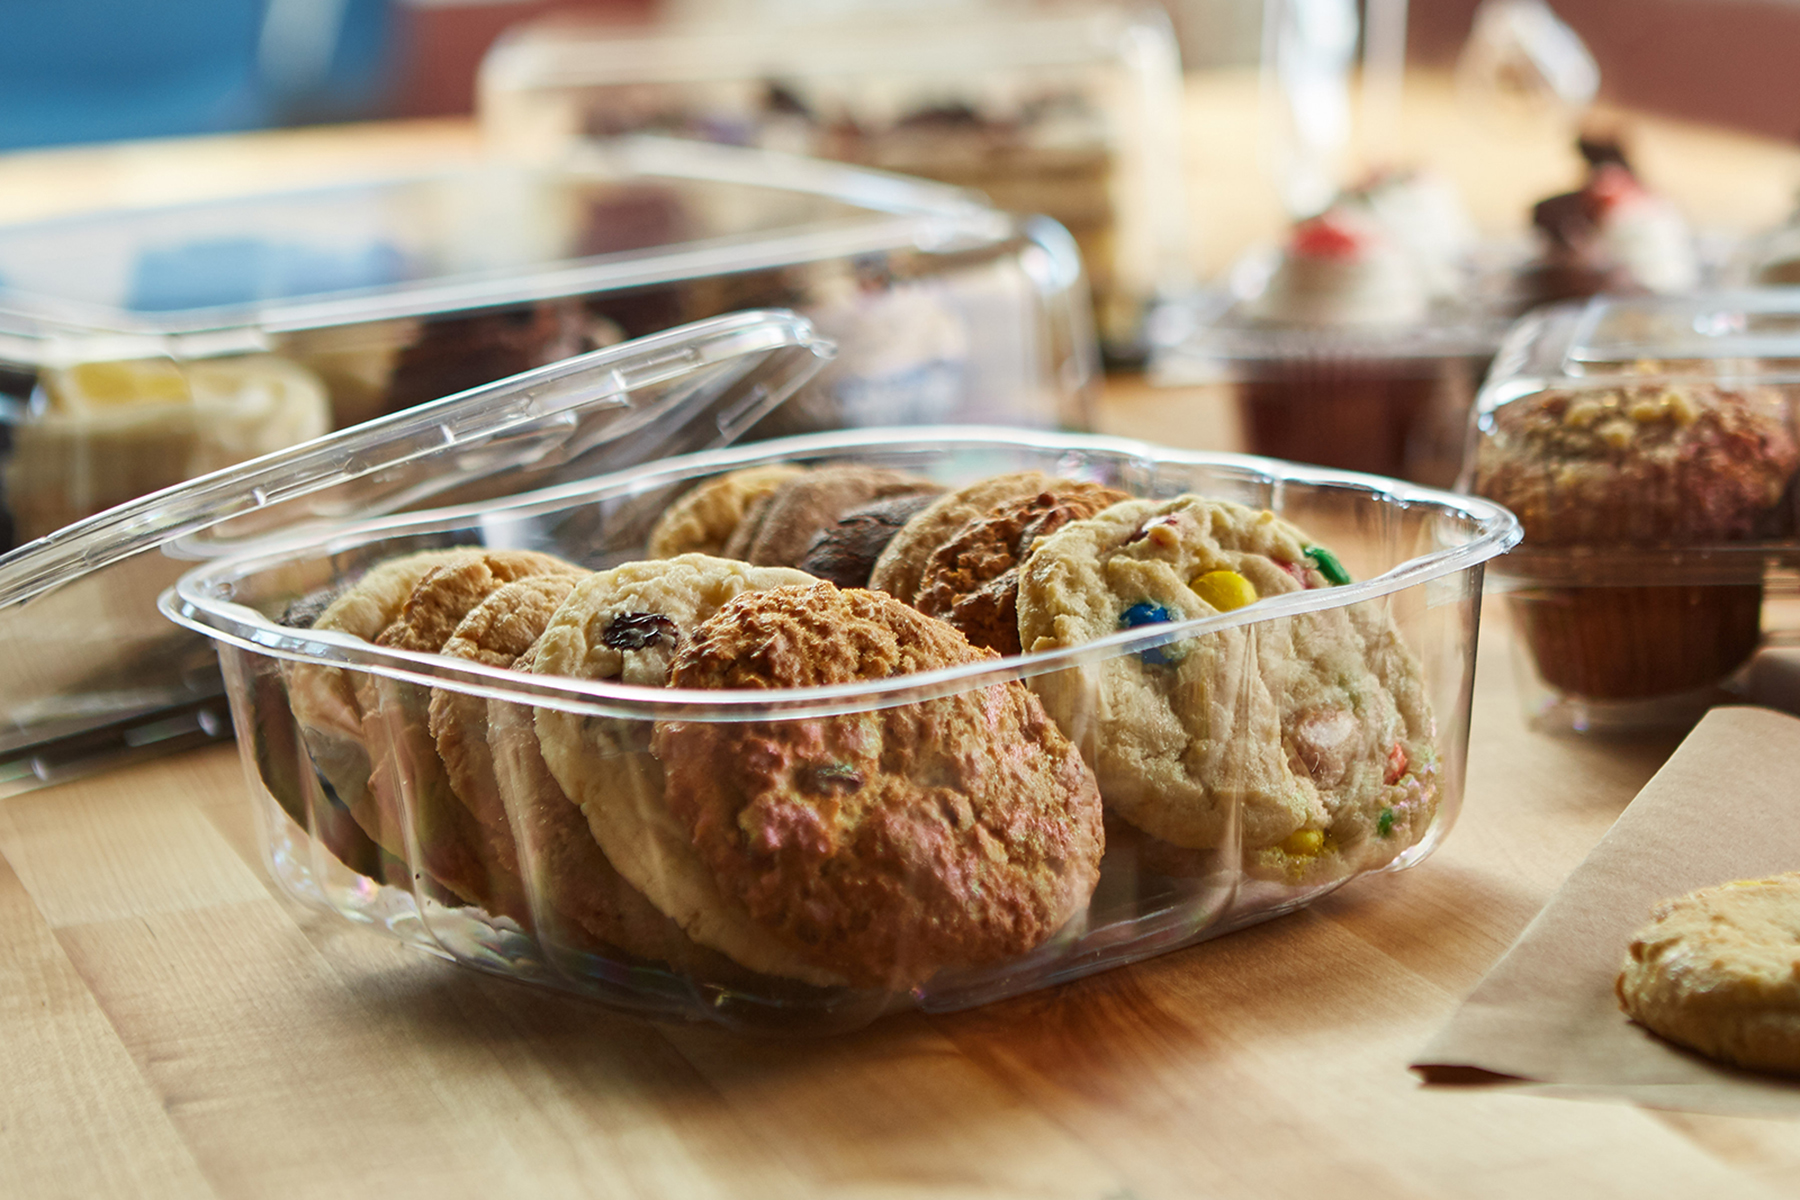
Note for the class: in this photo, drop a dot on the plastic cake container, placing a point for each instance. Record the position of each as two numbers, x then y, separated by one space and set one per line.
142 347
1418 555
1071 111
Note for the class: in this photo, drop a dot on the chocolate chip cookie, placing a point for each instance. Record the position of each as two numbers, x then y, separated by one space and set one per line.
972 579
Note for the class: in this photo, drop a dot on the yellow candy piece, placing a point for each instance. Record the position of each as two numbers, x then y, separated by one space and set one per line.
1225 590
1304 842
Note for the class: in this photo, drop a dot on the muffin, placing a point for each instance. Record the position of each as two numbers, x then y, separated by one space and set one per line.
1644 465
1333 386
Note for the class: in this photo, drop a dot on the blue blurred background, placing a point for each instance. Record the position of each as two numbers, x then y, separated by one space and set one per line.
89 70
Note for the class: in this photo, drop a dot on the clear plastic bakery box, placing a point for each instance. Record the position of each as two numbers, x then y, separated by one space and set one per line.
1387 400
139 348
933 839
96 675
1072 111
1648 446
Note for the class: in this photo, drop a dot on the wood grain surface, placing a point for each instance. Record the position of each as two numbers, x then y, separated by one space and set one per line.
169 1027
172 1028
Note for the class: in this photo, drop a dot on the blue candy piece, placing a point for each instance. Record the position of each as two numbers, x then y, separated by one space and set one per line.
1145 613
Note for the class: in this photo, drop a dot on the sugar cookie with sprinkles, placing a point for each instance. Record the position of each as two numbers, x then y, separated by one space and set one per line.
1308 739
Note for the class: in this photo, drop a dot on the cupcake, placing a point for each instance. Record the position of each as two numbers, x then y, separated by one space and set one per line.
1423 215
1612 235
1336 387
1643 465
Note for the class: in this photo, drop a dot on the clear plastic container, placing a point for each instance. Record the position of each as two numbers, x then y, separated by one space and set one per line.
1389 398
96 674
1649 448
1071 111
172 341
923 839
1768 259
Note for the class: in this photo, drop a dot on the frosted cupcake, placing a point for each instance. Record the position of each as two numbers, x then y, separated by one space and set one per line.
1613 235
1344 385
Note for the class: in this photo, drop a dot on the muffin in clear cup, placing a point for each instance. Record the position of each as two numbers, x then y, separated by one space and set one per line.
1653 493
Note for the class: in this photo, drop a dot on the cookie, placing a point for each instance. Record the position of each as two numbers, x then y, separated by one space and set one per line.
845 553
1306 740
972 579
1718 971
593 906
404 766
626 625
494 633
779 528
703 520
900 567
324 699
886 845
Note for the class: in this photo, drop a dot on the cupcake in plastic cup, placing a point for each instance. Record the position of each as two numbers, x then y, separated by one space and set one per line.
1612 235
1344 378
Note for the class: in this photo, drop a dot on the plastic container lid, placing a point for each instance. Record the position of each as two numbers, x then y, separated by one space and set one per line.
1742 336
223 277
77 608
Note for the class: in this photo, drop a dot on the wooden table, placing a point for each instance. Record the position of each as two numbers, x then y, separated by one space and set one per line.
170 1027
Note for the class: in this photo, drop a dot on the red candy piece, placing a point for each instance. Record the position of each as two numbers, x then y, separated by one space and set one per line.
1396 765
1296 570
1609 187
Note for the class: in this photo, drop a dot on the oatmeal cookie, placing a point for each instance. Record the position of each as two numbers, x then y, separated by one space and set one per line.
565 867
1718 971
703 520
902 564
494 633
884 845
324 699
972 579
626 625
1307 739
778 529
405 767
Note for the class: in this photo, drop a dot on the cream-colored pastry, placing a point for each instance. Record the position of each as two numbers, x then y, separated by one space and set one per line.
102 433
1644 233
1422 214
1718 971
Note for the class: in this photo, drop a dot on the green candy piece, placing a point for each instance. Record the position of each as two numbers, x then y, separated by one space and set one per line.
1384 824
1328 565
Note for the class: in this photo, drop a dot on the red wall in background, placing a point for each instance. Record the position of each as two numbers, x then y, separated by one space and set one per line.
440 46
1731 62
